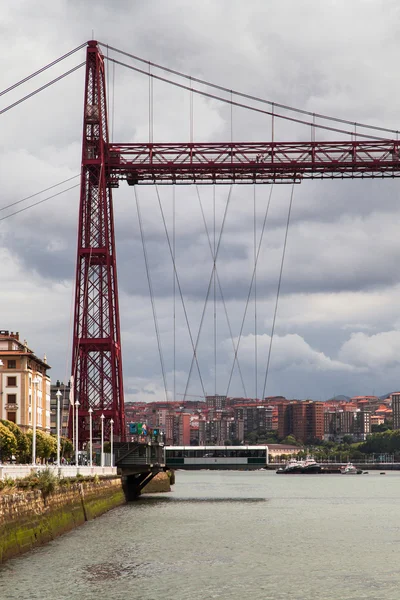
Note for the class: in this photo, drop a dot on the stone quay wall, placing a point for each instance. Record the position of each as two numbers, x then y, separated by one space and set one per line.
31 518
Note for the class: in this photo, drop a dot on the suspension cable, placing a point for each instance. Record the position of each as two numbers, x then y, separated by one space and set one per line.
113 103
43 87
54 62
235 358
153 306
39 202
210 283
174 279
249 96
180 290
38 193
242 105
255 290
215 300
220 289
278 291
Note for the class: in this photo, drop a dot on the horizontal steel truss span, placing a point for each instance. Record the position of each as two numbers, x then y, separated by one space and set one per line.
250 162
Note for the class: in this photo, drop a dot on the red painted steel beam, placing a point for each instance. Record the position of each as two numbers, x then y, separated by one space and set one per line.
96 355
251 162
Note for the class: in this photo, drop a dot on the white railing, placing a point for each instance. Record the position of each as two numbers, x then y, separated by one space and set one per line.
18 471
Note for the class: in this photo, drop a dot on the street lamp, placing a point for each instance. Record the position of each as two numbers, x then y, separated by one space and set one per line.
1 365
102 441
77 405
58 396
35 382
112 441
71 401
91 436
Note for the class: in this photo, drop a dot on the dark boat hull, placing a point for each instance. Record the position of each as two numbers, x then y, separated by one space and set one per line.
301 470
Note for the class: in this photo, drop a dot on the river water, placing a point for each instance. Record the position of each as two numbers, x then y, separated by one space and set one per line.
228 535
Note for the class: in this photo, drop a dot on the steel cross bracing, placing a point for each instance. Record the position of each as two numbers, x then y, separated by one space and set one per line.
96 358
250 162
96 355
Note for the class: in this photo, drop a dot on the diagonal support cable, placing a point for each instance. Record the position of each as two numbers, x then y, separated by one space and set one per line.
235 358
209 285
153 306
278 291
43 87
220 289
38 202
180 290
48 66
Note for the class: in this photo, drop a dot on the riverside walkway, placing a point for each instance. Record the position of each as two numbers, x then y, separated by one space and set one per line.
19 471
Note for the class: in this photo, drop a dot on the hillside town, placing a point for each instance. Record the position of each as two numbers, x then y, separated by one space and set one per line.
25 386
226 420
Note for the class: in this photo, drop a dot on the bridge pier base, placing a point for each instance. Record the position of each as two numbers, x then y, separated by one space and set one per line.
134 484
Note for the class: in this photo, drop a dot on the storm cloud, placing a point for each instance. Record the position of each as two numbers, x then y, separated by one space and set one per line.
338 326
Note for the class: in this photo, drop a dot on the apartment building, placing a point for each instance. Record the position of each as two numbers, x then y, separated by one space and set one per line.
24 384
302 419
65 390
396 410
340 423
216 402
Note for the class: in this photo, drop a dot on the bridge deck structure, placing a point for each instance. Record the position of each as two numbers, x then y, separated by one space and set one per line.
138 463
359 151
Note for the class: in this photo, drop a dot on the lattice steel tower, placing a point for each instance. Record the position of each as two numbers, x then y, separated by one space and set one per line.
96 354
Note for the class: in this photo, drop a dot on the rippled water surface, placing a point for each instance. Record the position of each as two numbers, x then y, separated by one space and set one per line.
229 535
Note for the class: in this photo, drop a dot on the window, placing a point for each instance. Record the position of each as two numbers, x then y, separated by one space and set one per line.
11 364
12 416
11 398
11 381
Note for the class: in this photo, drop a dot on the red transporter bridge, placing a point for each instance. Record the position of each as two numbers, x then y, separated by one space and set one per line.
96 358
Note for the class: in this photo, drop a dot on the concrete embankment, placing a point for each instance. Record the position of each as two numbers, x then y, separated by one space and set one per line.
29 518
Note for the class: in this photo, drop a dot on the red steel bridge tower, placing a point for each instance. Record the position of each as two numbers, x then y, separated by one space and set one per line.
96 358
96 353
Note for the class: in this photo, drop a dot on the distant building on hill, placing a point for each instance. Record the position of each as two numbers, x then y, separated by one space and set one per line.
341 423
304 419
396 410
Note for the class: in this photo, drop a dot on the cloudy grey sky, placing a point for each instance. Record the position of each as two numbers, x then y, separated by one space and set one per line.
338 322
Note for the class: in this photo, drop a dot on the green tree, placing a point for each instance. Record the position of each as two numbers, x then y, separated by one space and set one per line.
272 437
380 428
290 440
347 439
382 443
8 443
46 445
22 451
66 447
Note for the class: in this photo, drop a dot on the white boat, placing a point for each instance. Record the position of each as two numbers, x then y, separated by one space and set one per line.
350 469
309 465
